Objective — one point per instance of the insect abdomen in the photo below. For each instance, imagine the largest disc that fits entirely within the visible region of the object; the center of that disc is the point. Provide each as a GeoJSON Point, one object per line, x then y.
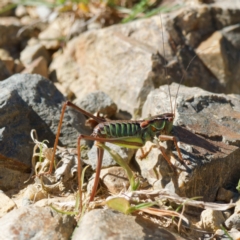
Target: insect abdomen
{"type": "Point", "coordinates": [117, 129]}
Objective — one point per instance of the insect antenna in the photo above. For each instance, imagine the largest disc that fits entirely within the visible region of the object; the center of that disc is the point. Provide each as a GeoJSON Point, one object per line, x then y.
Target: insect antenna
{"type": "Point", "coordinates": [182, 78]}
{"type": "Point", "coordinates": [165, 69]}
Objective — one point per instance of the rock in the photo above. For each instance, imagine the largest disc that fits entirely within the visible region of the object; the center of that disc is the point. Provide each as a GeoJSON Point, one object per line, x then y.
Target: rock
{"type": "Point", "coordinates": [224, 195]}
{"type": "Point", "coordinates": [10, 37]}
{"type": "Point", "coordinates": [237, 208]}
{"type": "Point", "coordinates": [102, 64]}
{"type": "Point", "coordinates": [101, 59]}
{"type": "Point", "coordinates": [13, 174]}
{"type": "Point", "coordinates": [43, 12]}
{"type": "Point", "coordinates": [227, 213]}
{"type": "Point", "coordinates": [63, 67]}
{"type": "Point", "coordinates": [38, 66]}
{"type": "Point", "coordinates": [115, 179]}
{"type": "Point", "coordinates": [94, 25]}
{"type": "Point", "coordinates": [8, 11]}
{"type": "Point", "coordinates": [196, 23]}
{"type": "Point", "coordinates": [33, 52]}
{"type": "Point", "coordinates": [61, 203]}
{"type": "Point", "coordinates": [79, 26]}
{"type": "Point", "coordinates": [45, 224]}
{"type": "Point", "coordinates": [97, 102]}
{"type": "Point", "coordinates": [220, 234]}
{"type": "Point", "coordinates": [211, 220]}
{"type": "Point", "coordinates": [153, 167]}
{"type": "Point", "coordinates": [206, 125]}
{"type": "Point", "coordinates": [18, 66]}
{"type": "Point", "coordinates": [6, 204]}
{"type": "Point", "coordinates": [233, 221]}
{"type": "Point", "coordinates": [231, 33]}
{"type": "Point", "coordinates": [125, 153]}
{"type": "Point", "coordinates": [32, 102]}
{"type": "Point", "coordinates": [110, 225]}
{"type": "Point", "coordinates": [34, 193]}
{"type": "Point", "coordinates": [188, 27]}
{"type": "Point", "coordinates": [20, 11]}
{"type": "Point", "coordinates": [234, 234]}
{"type": "Point", "coordinates": [64, 90]}
{"type": "Point", "coordinates": [4, 72]}
{"type": "Point", "coordinates": [57, 29]}
{"type": "Point", "coordinates": [7, 60]}
{"type": "Point", "coordinates": [221, 58]}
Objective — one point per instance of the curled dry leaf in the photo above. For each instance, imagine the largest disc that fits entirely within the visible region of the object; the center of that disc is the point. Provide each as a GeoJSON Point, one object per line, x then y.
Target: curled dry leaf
{"type": "Point", "coordinates": [66, 167]}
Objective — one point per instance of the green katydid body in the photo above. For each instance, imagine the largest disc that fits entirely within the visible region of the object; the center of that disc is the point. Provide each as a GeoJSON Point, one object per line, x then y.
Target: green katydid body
{"type": "Point", "coordinates": [138, 131]}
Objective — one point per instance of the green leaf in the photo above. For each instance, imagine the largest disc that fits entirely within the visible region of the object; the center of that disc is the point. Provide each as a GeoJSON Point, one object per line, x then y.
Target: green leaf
{"type": "Point", "coordinates": [134, 185]}
{"type": "Point", "coordinates": [238, 186]}
{"type": "Point", "coordinates": [120, 204]}
{"type": "Point", "coordinates": [63, 212]}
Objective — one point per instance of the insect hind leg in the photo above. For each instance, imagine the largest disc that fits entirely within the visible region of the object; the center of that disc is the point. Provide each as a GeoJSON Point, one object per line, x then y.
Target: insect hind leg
{"type": "Point", "coordinates": [174, 139]}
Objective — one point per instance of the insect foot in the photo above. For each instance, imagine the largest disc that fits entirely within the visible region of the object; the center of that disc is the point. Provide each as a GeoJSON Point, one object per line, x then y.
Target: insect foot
{"type": "Point", "coordinates": [207, 126]}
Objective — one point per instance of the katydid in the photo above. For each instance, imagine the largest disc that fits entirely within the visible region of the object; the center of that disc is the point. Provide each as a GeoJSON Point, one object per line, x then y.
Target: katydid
{"type": "Point", "coordinates": [127, 133]}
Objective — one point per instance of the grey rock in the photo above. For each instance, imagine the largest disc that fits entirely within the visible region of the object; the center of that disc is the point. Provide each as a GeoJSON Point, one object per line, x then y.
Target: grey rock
{"type": "Point", "coordinates": [207, 126]}
{"type": "Point", "coordinates": [233, 221]}
{"type": "Point", "coordinates": [31, 102]}
{"type": "Point", "coordinates": [97, 102]}
{"type": "Point", "coordinates": [125, 153]}
{"type": "Point", "coordinates": [36, 223]}
{"type": "Point", "coordinates": [108, 224]}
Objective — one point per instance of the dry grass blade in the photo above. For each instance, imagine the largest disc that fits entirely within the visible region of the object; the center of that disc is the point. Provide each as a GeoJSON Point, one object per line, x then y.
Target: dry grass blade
{"type": "Point", "coordinates": [165, 194]}
{"type": "Point", "coordinates": [161, 212]}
